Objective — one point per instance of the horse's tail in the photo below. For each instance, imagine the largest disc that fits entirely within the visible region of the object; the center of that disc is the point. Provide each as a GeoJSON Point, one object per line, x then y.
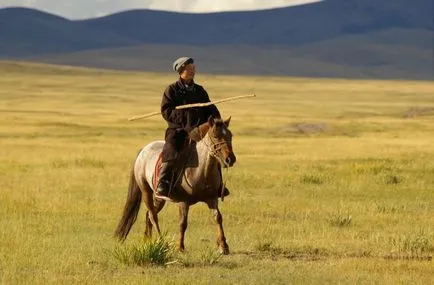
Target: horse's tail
{"type": "Point", "coordinates": [131, 208]}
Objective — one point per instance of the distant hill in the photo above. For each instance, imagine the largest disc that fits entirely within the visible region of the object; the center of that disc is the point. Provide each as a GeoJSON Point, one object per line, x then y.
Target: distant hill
{"type": "Point", "coordinates": [281, 26]}
{"type": "Point", "coordinates": [358, 56]}
{"type": "Point", "coordinates": [27, 32]}
{"type": "Point", "coordinates": [338, 38]}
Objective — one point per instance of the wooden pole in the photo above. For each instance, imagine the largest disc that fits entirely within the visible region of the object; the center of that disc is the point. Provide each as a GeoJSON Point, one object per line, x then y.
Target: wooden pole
{"type": "Point", "coordinates": [191, 106]}
{"type": "Point", "coordinates": [212, 103]}
{"type": "Point", "coordinates": [144, 116]}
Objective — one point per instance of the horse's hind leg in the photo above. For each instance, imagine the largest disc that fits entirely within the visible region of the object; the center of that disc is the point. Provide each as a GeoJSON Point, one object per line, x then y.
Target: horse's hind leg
{"type": "Point", "coordinates": [148, 229]}
{"type": "Point", "coordinates": [158, 205]}
{"type": "Point", "coordinates": [221, 239]}
{"type": "Point", "coordinates": [152, 213]}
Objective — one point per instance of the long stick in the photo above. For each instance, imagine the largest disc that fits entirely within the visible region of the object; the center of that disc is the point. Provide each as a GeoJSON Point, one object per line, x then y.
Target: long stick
{"type": "Point", "coordinates": [144, 116]}
{"type": "Point", "coordinates": [215, 102]}
{"type": "Point", "coordinates": [191, 106]}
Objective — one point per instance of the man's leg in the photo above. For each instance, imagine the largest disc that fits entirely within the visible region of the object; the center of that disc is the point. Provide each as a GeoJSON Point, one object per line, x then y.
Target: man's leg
{"type": "Point", "coordinates": [167, 175]}
{"type": "Point", "coordinates": [171, 151]}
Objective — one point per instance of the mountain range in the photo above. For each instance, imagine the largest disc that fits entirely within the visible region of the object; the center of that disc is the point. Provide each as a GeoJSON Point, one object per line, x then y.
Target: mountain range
{"type": "Point", "coordinates": [331, 38]}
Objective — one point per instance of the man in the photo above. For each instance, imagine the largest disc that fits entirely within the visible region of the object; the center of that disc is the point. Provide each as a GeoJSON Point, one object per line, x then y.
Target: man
{"type": "Point", "coordinates": [182, 122]}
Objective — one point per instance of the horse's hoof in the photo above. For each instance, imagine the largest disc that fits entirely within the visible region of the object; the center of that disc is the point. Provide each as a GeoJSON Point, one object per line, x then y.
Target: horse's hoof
{"type": "Point", "coordinates": [224, 250]}
{"type": "Point", "coordinates": [181, 249]}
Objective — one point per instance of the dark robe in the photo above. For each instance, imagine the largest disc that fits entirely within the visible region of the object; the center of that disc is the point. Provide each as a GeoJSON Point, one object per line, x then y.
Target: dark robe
{"type": "Point", "coordinates": [181, 122]}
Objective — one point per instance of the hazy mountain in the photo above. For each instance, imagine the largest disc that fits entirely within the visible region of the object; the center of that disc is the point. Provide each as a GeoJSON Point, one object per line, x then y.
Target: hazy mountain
{"type": "Point", "coordinates": [282, 26]}
{"type": "Point", "coordinates": [355, 38]}
{"type": "Point", "coordinates": [358, 56]}
{"type": "Point", "coordinates": [26, 32]}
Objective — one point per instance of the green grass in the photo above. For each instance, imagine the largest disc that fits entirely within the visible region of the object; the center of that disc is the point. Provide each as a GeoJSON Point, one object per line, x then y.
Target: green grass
{"type": "Point", "coordinates": [156, 251]}
{"type": "Point", "coordinates": [348, 203]}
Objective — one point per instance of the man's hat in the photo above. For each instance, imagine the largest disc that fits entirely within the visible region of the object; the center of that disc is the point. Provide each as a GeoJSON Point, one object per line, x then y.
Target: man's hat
{"type": "Point", "coordinates": [181, 62]}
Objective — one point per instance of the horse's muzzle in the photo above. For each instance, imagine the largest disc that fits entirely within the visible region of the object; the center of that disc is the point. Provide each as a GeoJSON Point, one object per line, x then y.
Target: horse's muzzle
{"type": "Point", "coordinates": [230, 160]}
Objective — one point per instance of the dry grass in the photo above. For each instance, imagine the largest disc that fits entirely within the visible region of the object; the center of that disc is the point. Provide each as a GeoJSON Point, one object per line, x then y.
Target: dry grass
{"type": "Point", "coordinates": [349, 204]}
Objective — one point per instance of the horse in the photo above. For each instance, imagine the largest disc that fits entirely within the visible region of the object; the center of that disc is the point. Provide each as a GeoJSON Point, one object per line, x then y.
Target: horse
{"type": "Point", "coordinates": [199, 180]}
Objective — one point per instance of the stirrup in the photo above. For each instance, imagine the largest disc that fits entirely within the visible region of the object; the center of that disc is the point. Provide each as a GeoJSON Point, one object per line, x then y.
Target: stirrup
{"type": "Point", "coordinates": [225, 192]}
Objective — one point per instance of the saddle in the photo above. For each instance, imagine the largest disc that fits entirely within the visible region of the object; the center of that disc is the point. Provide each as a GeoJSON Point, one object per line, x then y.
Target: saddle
{"type": "Point", "coordinates": [181, 162]}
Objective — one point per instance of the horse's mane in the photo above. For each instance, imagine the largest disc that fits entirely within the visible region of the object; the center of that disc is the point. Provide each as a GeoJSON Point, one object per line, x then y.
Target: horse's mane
{"type": "Point", "coordinates": [203, 130]}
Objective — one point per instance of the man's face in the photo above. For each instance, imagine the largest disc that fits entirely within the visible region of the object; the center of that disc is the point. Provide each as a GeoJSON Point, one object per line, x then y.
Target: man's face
{"type": "Point", "coordinates": [188, 72]}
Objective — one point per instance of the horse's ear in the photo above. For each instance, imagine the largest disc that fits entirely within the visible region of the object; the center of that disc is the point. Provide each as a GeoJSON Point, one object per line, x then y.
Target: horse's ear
{"type": "Point", "coordinates": [227, 121]}
{"type": "Point", "coordinates": [211, 121]}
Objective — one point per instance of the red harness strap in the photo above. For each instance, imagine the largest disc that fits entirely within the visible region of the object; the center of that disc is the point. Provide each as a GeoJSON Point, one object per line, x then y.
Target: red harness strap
{"type": "Point", "coordinates": [157, 169]}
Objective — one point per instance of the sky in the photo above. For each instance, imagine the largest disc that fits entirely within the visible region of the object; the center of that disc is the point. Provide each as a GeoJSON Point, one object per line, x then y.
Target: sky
{"type": "Point", "coordinates": [81, 9]}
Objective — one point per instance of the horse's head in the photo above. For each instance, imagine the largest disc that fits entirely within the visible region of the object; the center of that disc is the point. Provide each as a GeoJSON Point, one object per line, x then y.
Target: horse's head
{"type": "Point", "coordinates": [221, 141]}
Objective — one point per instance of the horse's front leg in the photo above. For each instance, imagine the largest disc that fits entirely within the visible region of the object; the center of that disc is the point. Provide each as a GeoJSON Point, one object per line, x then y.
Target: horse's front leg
{"type": "Point", "coordinates": [183, 222]}
{"type": "Point", "coordinates": [221, 239]}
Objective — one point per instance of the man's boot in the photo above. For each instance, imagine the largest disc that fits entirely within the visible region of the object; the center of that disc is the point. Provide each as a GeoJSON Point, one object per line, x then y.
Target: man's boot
{"type": "Point", "coordinates": [165, 180]}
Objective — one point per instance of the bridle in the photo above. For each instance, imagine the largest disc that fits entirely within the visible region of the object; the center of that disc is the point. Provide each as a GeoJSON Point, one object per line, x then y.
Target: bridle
{"type": "Point", "coordinates": [214, 151]}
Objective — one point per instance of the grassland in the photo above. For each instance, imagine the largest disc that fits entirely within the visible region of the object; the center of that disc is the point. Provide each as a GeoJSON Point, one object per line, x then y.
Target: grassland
{"type": "Point", "coordinates": [333, 185]}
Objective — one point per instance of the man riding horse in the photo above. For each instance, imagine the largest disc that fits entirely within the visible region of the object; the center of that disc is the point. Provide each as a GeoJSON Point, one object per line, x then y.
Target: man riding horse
{"type": "Point", "coordinates": [182, 123]}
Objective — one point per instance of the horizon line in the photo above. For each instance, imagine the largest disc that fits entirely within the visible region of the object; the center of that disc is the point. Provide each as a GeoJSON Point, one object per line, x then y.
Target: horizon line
{"type": "Point", "coordinates": [162, 11]}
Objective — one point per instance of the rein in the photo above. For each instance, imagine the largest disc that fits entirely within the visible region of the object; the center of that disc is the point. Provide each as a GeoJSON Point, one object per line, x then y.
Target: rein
{"type": "Point", "coordinates": [213, 151]}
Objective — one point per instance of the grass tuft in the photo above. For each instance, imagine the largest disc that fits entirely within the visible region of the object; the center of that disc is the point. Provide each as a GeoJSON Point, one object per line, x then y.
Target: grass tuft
{"type": "Point", "coordinates": [315, 178]}
{"type": "Point", "coordinates": [393, 179]}
{"type": "Point", "coordinates": [414, 245]}
{"type": "Point", "coordinates": [210, 257]}
{"type": "Point", "coordinates": [340, 220]}
{"type": "Point", "coordinates": [79, 162]}
{"type": "Point", "coordinates": [152, 252]}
